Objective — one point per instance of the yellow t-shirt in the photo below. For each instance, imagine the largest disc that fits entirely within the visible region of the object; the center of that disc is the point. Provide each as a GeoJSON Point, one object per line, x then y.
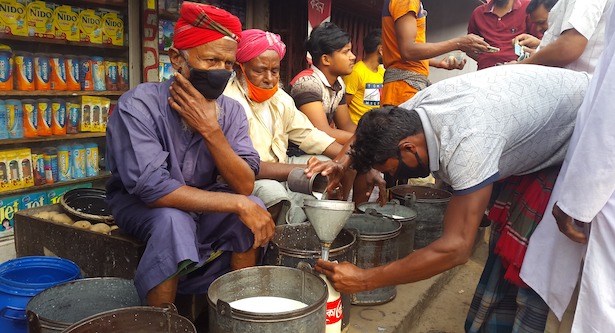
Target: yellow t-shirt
{"type": "Point", "coordinates": [365, 86]}
{"type": "Point", "coordinates": [399, 91]}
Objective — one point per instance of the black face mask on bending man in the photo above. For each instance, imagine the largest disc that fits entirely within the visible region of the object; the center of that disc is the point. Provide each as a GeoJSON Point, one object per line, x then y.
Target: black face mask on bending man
{"type": "Point", "coordinates": [404, 171]}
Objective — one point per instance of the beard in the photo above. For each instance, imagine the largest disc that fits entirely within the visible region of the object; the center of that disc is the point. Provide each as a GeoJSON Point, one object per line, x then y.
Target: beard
{"type": "Point", "coordinates": [500, 3]}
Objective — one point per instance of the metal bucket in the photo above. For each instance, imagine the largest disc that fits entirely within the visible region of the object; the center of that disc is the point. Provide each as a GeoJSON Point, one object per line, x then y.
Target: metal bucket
{"type": "Point", "coordinates": [430, 205]}
{"type": "Point", "coordinates": [136, 319]}
{"type": "Point", "coordinates": [56, 308]}
{"type": "Point", "coordinates": [377, 247]}
{"type": "Point", "coordinates": [400, 213]}
{"type": "Point", "coordinates": [295, 243]}
{"type": "Point", "coordinates": [277, 281]}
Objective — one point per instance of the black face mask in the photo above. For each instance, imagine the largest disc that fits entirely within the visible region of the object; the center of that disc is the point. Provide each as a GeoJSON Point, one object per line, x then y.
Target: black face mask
{"type": "Point", "coordinates": [405, 172]}
{"type": "Point", "coordinates": [211, 82]}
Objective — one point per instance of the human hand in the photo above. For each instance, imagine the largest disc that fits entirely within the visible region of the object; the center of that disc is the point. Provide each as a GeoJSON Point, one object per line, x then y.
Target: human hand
{"type": "Point", "coordinates": [373, 178]}
{"type": "Point", "coordinates": [472, 43]}
{"type": "Point", "coordinates": [451, 62]}
{"type": "Point", "coordinates": [344, 277]}
{"type": "Point", "coordinates": [527, 40]}
{"type": "Point", "coordinates": [570, 227]}
{"type": "Point", "coordinates": [198, 112]}
{"type": "Point", "coordinates": [258, 220]}
{"type": "Point", "coordinates": [334, 170]}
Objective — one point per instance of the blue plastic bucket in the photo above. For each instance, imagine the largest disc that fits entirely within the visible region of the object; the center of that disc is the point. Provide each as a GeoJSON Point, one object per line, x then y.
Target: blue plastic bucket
{"type": "Point", "coordinates": [21, 279]}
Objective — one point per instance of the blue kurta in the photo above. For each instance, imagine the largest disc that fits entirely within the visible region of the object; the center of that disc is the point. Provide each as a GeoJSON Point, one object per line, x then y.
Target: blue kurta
{"type": "Point", "coordinates": [150, 154]}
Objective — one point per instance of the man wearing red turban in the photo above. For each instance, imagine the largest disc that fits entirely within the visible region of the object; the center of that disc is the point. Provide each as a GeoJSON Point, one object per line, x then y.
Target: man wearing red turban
{"type": "Point", "coordinates": [183, 165]}
{"type": "Point", "coordinates": [274, 121]}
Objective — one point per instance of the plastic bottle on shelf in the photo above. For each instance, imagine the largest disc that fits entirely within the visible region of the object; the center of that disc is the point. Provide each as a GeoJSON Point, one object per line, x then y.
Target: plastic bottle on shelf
{"type": "Point", "coordinates": [30, 118]}
{"type": "Point", "coordinates": [42, 71]}
{"type": "Point", "coordinates": [334, 312]}
{"type": "Point", "coordinates": [6, 68]}
{"type": "Point", "coordinates": [14, 118]}
{"type": "Point", "coordinates": [24, 71]}
{"type": "Point", "coordinates": [4, 130]}
{"type": "Point", "coordinates": [43, 116]}
{"type": "Point", "coordinates": [58, 117]}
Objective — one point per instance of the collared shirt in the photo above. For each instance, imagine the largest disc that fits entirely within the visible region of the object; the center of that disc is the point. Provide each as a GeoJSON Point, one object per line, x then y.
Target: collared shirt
{"type": "Point", "coordinates": [150, 153]}
{"type": "Point", "coordinates": [498, 122]}
{"type": "Point", "coordinates": [499, 31]}
{"type": "Point", "coordinates": [311, 85]}
{"type": "Point", "coordinates": [589, 18]}
{"type": "Point", "coordinates": [287, 124]}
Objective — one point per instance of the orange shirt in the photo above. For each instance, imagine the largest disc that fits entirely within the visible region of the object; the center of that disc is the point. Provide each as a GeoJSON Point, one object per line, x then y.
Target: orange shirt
{"type": "Point", "coordinates": [398, 92]}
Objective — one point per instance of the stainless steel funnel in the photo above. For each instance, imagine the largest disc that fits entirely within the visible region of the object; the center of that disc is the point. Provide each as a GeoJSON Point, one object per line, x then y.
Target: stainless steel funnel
{"type": "Point", "coordinates": [327, 216]}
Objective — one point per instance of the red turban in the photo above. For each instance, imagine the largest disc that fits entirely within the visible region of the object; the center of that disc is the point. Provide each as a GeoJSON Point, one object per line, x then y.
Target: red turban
{"type": "Point", "coordinates": [254, 42]}
{"type": "Point", "coordinates": [199, 24]}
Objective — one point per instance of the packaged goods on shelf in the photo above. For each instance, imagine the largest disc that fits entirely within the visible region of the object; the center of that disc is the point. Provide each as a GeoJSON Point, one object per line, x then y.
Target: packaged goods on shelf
{"type": "Point", "coordinates": [90, 26]}
{"type": "Point", "coordinates": [165, 69]}
{"type": "Point", "coordinates": [71, 63]}
{"type": "Point", "coordinates": [38, 167]}
{"type": "Point", "coordinates": [42, 71]}
{"type": "Point", "coordinates": [85, 73]}
{"type": "Point", "coordinates": [44, 115]}
{"type": "Point", "coordinates": [4, 129]}
{"type": "Point", "coordinates": [65, 22]}
{"type": "Point", "coordinates": [26, 174]}
{"type": "Point", "coordinates": [54, 195]}
{"type": "Point", "coordinates": [98, 73]}
{"type": "Point", "coordinates": [30, 118]}
{"type": "Point", "coordinates": [31, 200]}
{"type": "Point", "coordinates": [13, 17]}
{"type": "Point", "coordinates": [8, 208]}
{"type": "Point", "coordinates": [14, 118]}
{"type": "Point", "coordinates": [91, 159]}
{"type": "Point", "coordinates": [58, 72]}
{"type": "Point", "coordinates": [77, 161]}
{"type": "Point", "coordinates": [58, 116]}
{"type": "Point", "coordinates": [23, 71]}
{"type": "Point", "coordinates": [73, 109]}
{"type": "Point", "coordinates": [111, 74]}
{"type": "Point", "coordinates": [123, 79]}
{"type": "Point", "coordinates": [64, 163]}
{"type": "Point", "coordinates": [39, 19]}
{"type": "Point", "coordinates": [112, 28]}
{"type": "Point", "coordinates": [16, 169]}
{"type": "Point", "coordinates": [6, 68]}
{"type": "Point", "coordinates": [50, 159]}
{"type": "Point", "coordinates": [165, 34]}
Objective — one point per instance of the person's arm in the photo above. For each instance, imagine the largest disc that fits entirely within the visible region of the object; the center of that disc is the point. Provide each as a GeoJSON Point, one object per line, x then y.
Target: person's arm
{"type": "Point", "coordinates": [461, 221]}
{"type": "Point", "coordinates": [405, 30]}
{"type": "Point", "coordinates": [349, 98]}
{"type": "Point", "coordinates": [316, 114]}
{"type": "Point", "coordinates": [200, 114]}
{"type": "Point", "coordinates": [276, 171]}
{"type": "Point", "coordinates": [562, 52]}
{"type": "Point", "coordinates": [342, 119]}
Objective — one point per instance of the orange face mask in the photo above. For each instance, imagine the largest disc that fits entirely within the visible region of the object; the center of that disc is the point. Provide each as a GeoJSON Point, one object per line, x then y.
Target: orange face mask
{"type": "Point", "coordinates": [258, 94]}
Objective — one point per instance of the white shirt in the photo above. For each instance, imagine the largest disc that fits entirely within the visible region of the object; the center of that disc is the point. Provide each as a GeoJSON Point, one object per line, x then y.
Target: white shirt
{"type": "Point", "coordinates": [584, 190]}
{"type": "Point", "coordinates": [498, 122]}
{"type": "Point", "coordinates": [589, 19]}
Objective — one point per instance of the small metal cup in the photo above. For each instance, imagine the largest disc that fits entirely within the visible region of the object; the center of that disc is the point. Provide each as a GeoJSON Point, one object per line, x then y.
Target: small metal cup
{"type": "Point", "coordinates": [299, 182]}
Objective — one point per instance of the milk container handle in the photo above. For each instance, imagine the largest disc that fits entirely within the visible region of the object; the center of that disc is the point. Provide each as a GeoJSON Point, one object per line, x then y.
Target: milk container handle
{"type": "Point", "coordinates": [224, 309]}
{"type": "Point", "coordinates": [410, 200]}
{"type": "Point", "coordinates": [34, 323]}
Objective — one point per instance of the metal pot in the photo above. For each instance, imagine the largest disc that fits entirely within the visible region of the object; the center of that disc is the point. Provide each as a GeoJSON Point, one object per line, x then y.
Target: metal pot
{"type": "Point", "coordinates": [277, 281]}
{"type": "Point", "coordinates": [137, 319]}
{"type": "Point", "coordinates": [58, 307]}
